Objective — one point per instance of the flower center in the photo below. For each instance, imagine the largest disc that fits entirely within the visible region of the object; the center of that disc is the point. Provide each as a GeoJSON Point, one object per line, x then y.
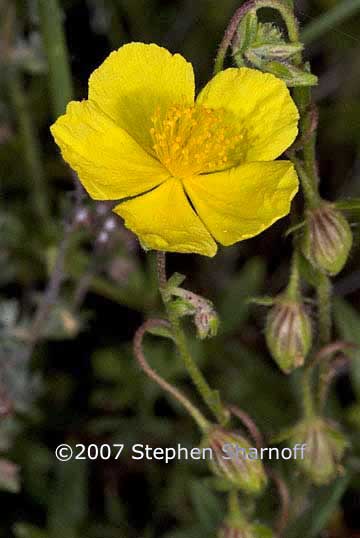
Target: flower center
{"type": "Point", "coordinates": [193, 139]}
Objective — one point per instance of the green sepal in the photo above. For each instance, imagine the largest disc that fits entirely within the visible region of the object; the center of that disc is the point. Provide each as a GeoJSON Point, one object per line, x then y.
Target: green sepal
{"type": "Point", "coordinates": [175, 281]}
{"type": "Point", "coordinates": [293, 76]}
{"type": "Point", "coordinates": [246, 34]}
{"type": "Point", "coordinates": [181, 307]}
{"type": "Point", "coordinates": [308, 272]}
{"type": "Point", "coordinates": [276, 51]}
{"type": "Point", "coordinates": [295, 228]}
{"type": "Point", "coordinates": [161, 330]}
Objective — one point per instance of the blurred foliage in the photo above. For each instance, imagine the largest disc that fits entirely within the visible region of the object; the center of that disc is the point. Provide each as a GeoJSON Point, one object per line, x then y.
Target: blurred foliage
{"type": "Point", "coordinates": [81, 384]}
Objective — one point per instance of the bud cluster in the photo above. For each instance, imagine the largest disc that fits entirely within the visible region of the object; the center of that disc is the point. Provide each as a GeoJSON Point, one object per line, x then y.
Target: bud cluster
{"type": "Point", "coordinates": [262, 45]}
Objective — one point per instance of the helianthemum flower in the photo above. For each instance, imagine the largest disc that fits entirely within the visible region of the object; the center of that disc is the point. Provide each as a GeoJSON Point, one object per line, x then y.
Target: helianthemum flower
{"type": "Point", "coordinates": [191, 171]}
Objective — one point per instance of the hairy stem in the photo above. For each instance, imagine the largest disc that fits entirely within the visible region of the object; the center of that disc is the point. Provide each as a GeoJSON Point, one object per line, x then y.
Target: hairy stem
{"type": "Point", "coordinates": [309, 188]}
{"type": "Point", "coordinates": [140, 357]}
{"type": "Point", "coordinates": [197, 377]}
{"type": "Point", "coordinates": [324, 295]}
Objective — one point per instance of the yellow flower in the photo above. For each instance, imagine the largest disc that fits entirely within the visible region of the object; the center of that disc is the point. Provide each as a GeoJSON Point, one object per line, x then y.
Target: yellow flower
{"type": "Point", "coordinates": [193, 171]}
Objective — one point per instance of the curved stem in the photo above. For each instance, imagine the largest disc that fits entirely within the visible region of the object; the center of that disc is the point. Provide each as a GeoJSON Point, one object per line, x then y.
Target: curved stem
{"type": "Point", "coordinates": [284, 495]}
{"type": "Point", "coordinates": [229, 34]}
{"type": "Point", "coordinates": [209, 396]}
{"type": "Point", "coordinates": [249, 424]}
{"type": "Point", "coordinates": [140, 357]}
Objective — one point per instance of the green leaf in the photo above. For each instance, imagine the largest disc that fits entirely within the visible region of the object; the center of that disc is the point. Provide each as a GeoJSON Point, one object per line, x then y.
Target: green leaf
{"type": "Point", "coordinates": [308, 273]}
{"type": "Point", "coordinates": [68, 499]}
{"type": "Point", "coordinates": [322, 507]}
{"type": "Point", "coordinates": [234, 308]}
{"type": "Point", "coordinates": [295, 228]}
{"type": "Point", "coordinates": [208, 510]}
{"type": "Point", "coordinates": [347, 321]}
{"type": "Point", "coordinates": [352, 204]}
{"type": "Point", "coordinates": [175, 280]}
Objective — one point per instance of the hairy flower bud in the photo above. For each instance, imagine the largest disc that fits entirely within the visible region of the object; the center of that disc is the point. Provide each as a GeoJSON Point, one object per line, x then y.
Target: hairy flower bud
{"type": "Point", "coordinates": [205, 316]}
{"type": "Point", "coordinates": [325, 446]}
{"type": "Point", "coordinates": [235, 461]}
{"type": "Point", "coordinates": [206, 322]}
{"type": "Point", "coordinates": [288, 333]}
{"type": "Point", "coordinates": [327, 239]}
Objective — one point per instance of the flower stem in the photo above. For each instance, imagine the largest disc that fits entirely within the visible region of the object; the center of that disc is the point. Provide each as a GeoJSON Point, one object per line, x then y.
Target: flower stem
{"type": "Point", "coordinates": [293, 288]}
{"type": "Point", "coordinates": [140, 357]}
{"type": "Point", "coordinates": [323, 292]}
{"type": "Point", "coordinates": [324, 305]}
{"type": "Point", "coordinates": [311, 194]}
{"type": "Point", "coordinates": [234, 507]}
{"type": "Point", "coordinates": [302, 97]}
{"type": "Point", "coordinates": [307, 393]}
{"type": "Point", "coordinates": [208, 395]}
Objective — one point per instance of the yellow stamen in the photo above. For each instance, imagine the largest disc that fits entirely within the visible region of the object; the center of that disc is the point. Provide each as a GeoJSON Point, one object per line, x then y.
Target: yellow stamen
{"type": "Point", "coordinates": [191, 140]}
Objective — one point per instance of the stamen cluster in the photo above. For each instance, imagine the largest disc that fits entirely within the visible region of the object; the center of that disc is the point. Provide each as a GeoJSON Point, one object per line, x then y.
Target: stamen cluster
{"type": "Point", "coordinates": [193, 139]}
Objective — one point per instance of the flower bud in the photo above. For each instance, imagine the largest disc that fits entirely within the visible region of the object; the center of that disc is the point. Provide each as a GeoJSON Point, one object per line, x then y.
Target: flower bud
{"type": "Point", "coordinates": [288, 334]}
{"type": "Point", "coordinates": [234, 461]}
{"type": "Point", "coordinates": [325, 446]}
{"type": "Point", "coordinates": [327, 240]}
{"type": "Point", "coordinates": [206, 322]}
{"type": "Point", "coordinates": [206, 319]}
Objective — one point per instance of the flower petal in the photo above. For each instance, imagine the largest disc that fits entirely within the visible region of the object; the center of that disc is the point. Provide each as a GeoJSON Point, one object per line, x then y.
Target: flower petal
{"type": "Point", "coordinates": [110, 164]}
{"type": "Point", "coordinates": [164, 220]}
{"type": "Point", "coordinates": [242, 202]}
{"type": "Point", "coordinates": [260, 105]}
{"type": "Point", "coordinates": [134, 80]}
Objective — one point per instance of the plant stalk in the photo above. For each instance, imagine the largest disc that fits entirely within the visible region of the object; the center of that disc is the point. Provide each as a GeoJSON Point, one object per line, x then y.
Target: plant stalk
{"type": "Point", "coordinates": [197, 377]}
